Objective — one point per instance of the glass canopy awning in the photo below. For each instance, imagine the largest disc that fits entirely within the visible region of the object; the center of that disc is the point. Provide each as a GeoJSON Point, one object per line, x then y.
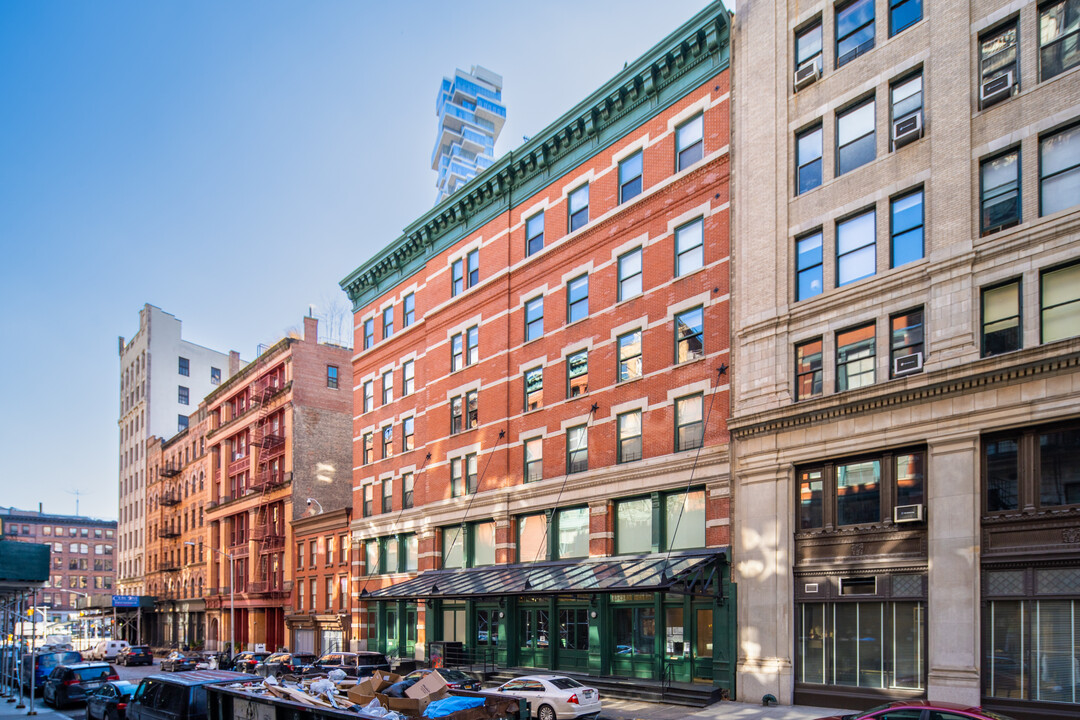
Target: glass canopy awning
{"type": "Point", "coordinates": [690, 572]}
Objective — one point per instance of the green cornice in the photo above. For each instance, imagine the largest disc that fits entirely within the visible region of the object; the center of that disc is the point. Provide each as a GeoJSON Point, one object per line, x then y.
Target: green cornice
{"type": "Point", "coordinates": [683, 60]}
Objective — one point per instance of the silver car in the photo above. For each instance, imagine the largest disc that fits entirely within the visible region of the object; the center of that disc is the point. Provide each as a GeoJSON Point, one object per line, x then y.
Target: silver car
{"type": "Point", "coordinates": [555, 697]}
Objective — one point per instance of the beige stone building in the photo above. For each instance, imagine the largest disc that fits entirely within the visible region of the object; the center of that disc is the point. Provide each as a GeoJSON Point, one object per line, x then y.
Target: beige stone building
{"type": "Point", "coordinates": [906, 339]}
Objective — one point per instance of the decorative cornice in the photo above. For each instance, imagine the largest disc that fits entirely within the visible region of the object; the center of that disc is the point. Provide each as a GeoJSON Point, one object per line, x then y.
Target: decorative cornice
{"type": "Point", "coordinates": [640, 91]}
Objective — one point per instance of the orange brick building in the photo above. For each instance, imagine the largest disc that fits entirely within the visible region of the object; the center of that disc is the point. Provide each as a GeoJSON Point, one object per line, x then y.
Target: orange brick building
{"type": "Point", "coordinates": [540, 443]}
{"type": "Point", "coordinates": [279, 434]}
{"type": "Point", "coordinates": [321, 602]}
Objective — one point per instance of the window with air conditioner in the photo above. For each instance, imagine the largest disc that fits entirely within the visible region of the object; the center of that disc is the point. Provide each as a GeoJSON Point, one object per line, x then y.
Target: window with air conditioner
{"type": "Point", "coordinates": [999, 66]}
{"type": "Point", "coordinates": [906, 99]}
{"type": "Point", "coordinates": [906, 343]}
{"type": "Point", "coordinates": [808, 55]}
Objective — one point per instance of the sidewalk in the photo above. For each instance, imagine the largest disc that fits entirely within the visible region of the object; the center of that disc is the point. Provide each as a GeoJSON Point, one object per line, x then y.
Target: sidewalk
{"type": "Point", "coordinates": [725, 710]}
{"type": "Point", "coordinates": [7, 710]}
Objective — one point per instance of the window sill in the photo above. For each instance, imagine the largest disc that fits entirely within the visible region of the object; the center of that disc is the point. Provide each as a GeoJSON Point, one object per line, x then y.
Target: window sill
{"type": "Point", "coordinates": [1026, 91]}
{"type": "Point", "coordinates": [686, 363]}
{"type": "Point", "coordinates": [627, 381]}
{"type": "Point", "coordinates": [626, 300]}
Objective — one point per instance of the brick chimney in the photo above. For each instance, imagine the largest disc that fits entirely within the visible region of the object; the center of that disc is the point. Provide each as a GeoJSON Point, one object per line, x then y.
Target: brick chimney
{"type": "Point", "coordinates": [311, 330]}
{"type": "Point", "coordinates": [234, 362]}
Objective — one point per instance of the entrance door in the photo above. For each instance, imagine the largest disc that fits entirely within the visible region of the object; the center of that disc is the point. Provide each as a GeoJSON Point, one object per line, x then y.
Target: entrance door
{"type": "Point", "coordinates": [677, 645]}
{"type": "Point", "coordinates": [534, 624]}
{"type": "Point", "coordinates": [702, 645]}
{"type": "Point", "coordinates": [572, 651]}
{"type": "Point", "coordinates": [486, 640]}
{"type": "Point", "coordinates": [391, 647]}
{"type": "Point", "coordinates": [410, 631]}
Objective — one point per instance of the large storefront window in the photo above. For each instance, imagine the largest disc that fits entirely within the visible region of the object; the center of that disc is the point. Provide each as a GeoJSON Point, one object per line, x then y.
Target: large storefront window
{"type": "Point", "coordinates": [483, 544]}
{"type": "Point", "coordinates": [573, 534]}
{"type": "Point", "coordinates": [852, 492]}
{"type": "Point", "coordinates": [635, 631]}
{"type": "Point", "coordinates": [685, 514]}
{"type": "Point", "coordinates": [532, 538]}
{"type": "Point", "coordinates": [633, 526]}
{"type": "Point", "coordinates": [877, 645]}
{"type": "Point", "coordinates": [1047, 459]}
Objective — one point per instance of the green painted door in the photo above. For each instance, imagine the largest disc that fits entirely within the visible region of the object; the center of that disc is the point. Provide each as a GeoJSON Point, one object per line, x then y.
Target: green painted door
{"type": "Point", "coordinates": [572, 651]}
{"type": "Point", "coordinates": [391, 647]}
{"type": "Point", "coordinates": [701, 646]}
{"type": "Point", "coordinates": [634, 641]}
{"type": "Point", "coordinates": [486, 633]}
{"type": "Point", "coordinates": [677, 648]}
{"type": "Point", "coordinates": [410, 631]}
{"type": "Point", "coordinates": [534, 636]}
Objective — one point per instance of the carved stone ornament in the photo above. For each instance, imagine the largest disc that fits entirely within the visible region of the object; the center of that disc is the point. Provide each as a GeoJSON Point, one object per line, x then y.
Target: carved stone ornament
{"type": "Point", "coordinates": [1070, 535]}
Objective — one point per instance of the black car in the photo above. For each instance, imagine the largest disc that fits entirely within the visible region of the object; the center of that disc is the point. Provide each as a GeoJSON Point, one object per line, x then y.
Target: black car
{"type": "Point", "coordinates": [455, 679]}
{"type": "Point", "coordinates": [355, 664]}
{"type": "Point", "coordinates": [178, 661]}
{"type": "Point", "coordinates": [177, 697]}
{"type": "Point", "coordinates": [109, 702]}
{"type": "Point", "coordinates": [72, 683]}
{"type": "Point", "coordinates": [280, 664]}
{"type": "Point", "coordinates": [135, 655]}
{"type": "Point", "coordinates": [44, 665]}
{"type": "Point", "coordinates": [246, 661]}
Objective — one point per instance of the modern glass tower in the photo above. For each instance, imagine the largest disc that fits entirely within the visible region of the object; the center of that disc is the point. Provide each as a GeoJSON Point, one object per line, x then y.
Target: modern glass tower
{"type": "Point", "coordinates": [471, 116]}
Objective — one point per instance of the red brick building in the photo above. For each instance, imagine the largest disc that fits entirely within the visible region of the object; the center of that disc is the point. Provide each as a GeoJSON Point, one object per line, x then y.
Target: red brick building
{"type": "Point", "coordinates": [321, 602]}
{"type": "Point", "coordinates": [540, 443]}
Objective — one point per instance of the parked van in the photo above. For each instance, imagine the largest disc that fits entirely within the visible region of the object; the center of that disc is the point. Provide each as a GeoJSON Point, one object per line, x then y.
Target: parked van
{"type": "Point", "coordinates": [46, 661]}
{"type": "Point", "coordinates": [179, 696]}
{"type": "Point", "coordinates": [107, 649]}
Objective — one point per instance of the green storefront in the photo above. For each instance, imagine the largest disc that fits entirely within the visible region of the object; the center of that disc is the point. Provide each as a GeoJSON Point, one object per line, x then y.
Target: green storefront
{"type": "Point", "coordinates": [663, 617]}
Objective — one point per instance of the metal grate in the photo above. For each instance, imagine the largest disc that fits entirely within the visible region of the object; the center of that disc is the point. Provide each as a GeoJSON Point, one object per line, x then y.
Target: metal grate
{"type": "Point", "coordinates": [907, 585]}
{"type": "Point", "coordinates": [1057, 581]}
{"type": "Point", "coordinates": [1005, 583]}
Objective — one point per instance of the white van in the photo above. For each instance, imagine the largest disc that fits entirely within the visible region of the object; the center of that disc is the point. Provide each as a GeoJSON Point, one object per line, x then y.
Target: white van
{"type": "Point", "coordinates": [107, 649]}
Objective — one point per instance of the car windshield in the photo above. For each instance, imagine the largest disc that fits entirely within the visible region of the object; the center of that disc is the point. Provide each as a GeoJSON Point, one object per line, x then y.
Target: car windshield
{"type": "Point", "coordinates": [54, 659]}
{"type": "Point", "coordinates": [280, 657]}
{"type": "Point", "coordinates": [564, 683]}
{"type": "Point", "coordinates": [455, 675]}
{"type": "Point", "coordinates": [369, 658]}
{"type": "Point", "coordinates": [125, 688]}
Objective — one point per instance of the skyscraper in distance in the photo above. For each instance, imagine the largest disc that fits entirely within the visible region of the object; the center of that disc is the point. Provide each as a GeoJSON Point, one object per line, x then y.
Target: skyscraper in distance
{"type": "Point", "coordinates": [471, 116]}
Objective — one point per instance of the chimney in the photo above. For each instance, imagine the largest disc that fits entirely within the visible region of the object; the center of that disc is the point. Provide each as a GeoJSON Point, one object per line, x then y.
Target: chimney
{"type": "Point", "coordinates": [311, 329]}
{"type": "Point", "coordinates": [234, 362]}
{"type": "Point", "coordinates": [39, 509]}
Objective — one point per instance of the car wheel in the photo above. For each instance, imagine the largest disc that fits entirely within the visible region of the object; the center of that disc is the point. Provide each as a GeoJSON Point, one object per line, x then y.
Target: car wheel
{"type": "Point", "coordinates": [545, 712]}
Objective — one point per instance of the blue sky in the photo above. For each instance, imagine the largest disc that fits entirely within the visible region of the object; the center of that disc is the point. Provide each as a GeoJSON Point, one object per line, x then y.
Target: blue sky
{"type": "Point", "coordinates": [229, 162]}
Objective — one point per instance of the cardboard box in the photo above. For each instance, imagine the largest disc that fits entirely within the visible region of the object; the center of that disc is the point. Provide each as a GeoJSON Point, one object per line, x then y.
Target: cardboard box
{"type": "Point", "coordinates": [431, 684]}
{"type": "Point", "coordinates": [367, 689]}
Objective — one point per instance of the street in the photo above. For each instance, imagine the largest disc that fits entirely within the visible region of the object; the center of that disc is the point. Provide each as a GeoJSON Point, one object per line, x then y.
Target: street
{"type": "Point", "coordinates": [131, 674]}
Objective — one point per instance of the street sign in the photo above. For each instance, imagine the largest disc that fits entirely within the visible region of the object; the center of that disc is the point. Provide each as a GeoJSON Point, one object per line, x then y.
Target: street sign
{"type": "Point", "coordinates": [125, 601]}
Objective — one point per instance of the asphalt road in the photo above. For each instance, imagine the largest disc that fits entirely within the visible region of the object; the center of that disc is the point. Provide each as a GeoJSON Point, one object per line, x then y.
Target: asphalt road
{"type": "Point", "coordinates": [131, 674]}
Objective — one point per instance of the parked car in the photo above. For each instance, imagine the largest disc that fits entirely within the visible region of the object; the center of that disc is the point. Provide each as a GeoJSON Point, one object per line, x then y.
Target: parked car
{"type": "Point", "coordinates": [72, 683]}
{"type": "Point", "coordinates": [179, 661]}
{"type": "Point", "coordinates": [177, 697]}
{"type": "Point", "coordinates": [555, 697]}
{"type": "Point", "coordinates": [107, 649]}
{"type": "Point", "coordinates": [109, 702]}
{"type": "Point", "coordinates": [135, 655]}
{"type": "Point", "coordinates": [455, 679]}
{"type": "Point", "coordinates": [355, 664]}
{"type": "Point", "coordinates": [46, 662]}
{"type": "Point", "coordinates": [246, 661]}
{"type": "Point", "coordinates": [284, 664]}
{"type": "Point", "coordinates": [901, 710]}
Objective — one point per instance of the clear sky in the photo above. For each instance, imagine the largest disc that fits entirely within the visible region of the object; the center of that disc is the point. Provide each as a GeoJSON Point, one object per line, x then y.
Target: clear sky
{"type": "Point", "coordinates": [229, 162]}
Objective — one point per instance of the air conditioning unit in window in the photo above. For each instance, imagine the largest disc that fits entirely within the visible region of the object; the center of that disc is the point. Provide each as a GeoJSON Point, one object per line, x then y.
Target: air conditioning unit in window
{"type": "Point", "coordinates": [907, 364]}
{"type": "Point", "coordinates": [907, 513]}
{"type": "Point", "coordinates": [807, 74]}
{"type": "Point", "coordinates": [996, 89]}
{"type": "Point", "coordinates": [907, 129]}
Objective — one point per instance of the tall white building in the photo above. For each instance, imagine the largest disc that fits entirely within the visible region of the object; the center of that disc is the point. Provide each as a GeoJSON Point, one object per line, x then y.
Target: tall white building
{"type": "Point", "coordinates": [162, 379]}
{"type": "Point", "coordinates": [471, 116]}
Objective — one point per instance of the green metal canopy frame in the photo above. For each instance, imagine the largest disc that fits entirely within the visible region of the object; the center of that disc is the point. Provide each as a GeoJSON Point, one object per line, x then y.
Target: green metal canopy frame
{"type": "Point", "coordinates": [691, 572]}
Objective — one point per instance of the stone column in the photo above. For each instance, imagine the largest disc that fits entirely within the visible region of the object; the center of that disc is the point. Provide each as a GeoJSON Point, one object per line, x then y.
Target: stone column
{"type": "Point", "coordinates": [953, 535]}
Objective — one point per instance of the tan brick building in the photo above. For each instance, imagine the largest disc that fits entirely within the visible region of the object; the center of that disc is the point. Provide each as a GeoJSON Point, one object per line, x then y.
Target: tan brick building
{"type": "Point", "coordinates": [906, 295]}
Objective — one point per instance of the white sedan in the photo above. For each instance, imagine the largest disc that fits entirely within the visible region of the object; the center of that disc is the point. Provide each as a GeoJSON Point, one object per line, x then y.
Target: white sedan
{"type": "Point", "coordinates": [555, 697]}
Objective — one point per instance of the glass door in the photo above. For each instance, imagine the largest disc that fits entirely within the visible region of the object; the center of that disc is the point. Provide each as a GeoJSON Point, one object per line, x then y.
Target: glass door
{"type": "Point", "coordinates": [572, 652]}
{"type": "Point", "coordinates": [535, 647]}
{"type": "Point", "coordinates": [410, 631]}
{"type": "Point", "coordinates": [676, 645]}
{"type": "Point", "coordinates": [702, 646]}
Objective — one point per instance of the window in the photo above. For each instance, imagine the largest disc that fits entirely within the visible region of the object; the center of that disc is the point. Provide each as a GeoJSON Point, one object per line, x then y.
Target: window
{"type": "Point", "coordinates": [906, 220]}
{"type": "Point", "coordinates": [809, 280]}
{"type": "Point", "coordinates": [472, 345]}
{"type": "Point", "coordinates": [534, 319]}
{"type": "Point", "coordinates": [856, 143]}
{"type": "Point", "coordinates": [300, 595]}
{"type": "Point", "coordinates": [182, 395]}
{"type": "Point", "coordinates": [407, 490]}
{"type": "Point", "coordinates": [387, 441]}
{"type": "Point", "coordinates": [1059, 37]}
{"type": "Point", "coordinates": [472, 262]}
{"type": "Point", "coordinates": [532, 534]}
{"type": "Point", "coordinates": [388, 322]}
{"type": "Point", "coordinates": [457, 277]}
{"type": "Point", "coordinates": [629, 356]}
{"type": "Point", "coordinates": [629, 428]}
{"type": "Point", "coordinates": [470, 473]}
{"type": "Point", "coordinates": [387, 496]}
{"type": "Point", "coordinates": [330, 550]}
{"type": "Point", "coordinates": [331, 377]}
{"type": "Point", "coordinates": [850, 492]}
{"type": "Point", "coordinates": [906, 97]}
{"type": "Point", "coordinates": [408, 436]}
{"type": "Point", "coordinates": [457, 466]}
{"type": "Point", "coordinates": [689, 423]}
{"type": "Point", "coordinates": [1001, 321]}
{"type": "Point", "coordinates": [1000, 189]}
{"type": "Point", "coordinates": [808, 45]}
{"type": "Point", "coordinates": [854, 30]}
{"type": "Point", "coordinates": [689, 142]}
{"type": "Point", "coordinates": [314, 554]}
{"type": "Point", "coordinates": [630, 274]}
{"type": "Point", "coordinates": [998, 56]}
{"type": "Point", "coordinates": [457, 352]}
{"type": "Point", "coordinates": [906, 341]}
{"type": "Point", "coordinates": [456, 414]}
{"type": "Point", "coordinates": [369, 448]}
{"type": "Point", "coordinates": [690, 247]}
{"type": "Point", "coordinates": [388, 387]}
{"type": "Point", "coordinates": [472, 418]}
{"type": "Point", "coordinates": [633, 526]}
{"type": "Point", "coordinates": [534, 234]}
{"type": "Point", "coordinates": [579, 207]}
{"type": "Point", "coordinates": [684, 516]}
{"type": "Point", "coordinates": [690, 335]}
{"type": "Point", "coordinates": [369, 395]}
{"type": "Point", "coordinates": [577, 449]}
{"type": "Point", "coordinates": [577, 373]}
{"type": "Point", "coordinates": [215, 376]}
{"type": "Point", "coordinates": [856, 248]}
{"type": "Point", "coordinates": [808, 158]}
{"type": "Point", "coordinates": [181, 423]}
{"type": "Point", "coordinates": [534, 388]}
{"type": "Point", "coordinates": [630, 177]}
{"type": "Point", "coordinates": [184, 367]}
{"type": "Point", "coordinates": [1043, 462]}
{"type": "Point", "coordinates": [369, 333]}
{"type": "Point", "coordinates": [808, 369]}
{"type": "Point", "coordinates": [1059, 164]}
{"type": "Point", "coordinates": [903, 14]}
{"type": "Point", "coordinates": [534, 459]}
{"type": "Point", "coordinates": [1059, 303]}
{"type": "Point", "coordinates": [577, 299]}
{"type": "Point", "coordinates": [371, 557]}
{"type": "Point", "coordinates": [408, 378]}
{"type": "Point", "coordinates": [369, 493]}
{"type": "Point", "coordinates": [408, 306]}
{"type": "Point", "coordinates": [855, 358]}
